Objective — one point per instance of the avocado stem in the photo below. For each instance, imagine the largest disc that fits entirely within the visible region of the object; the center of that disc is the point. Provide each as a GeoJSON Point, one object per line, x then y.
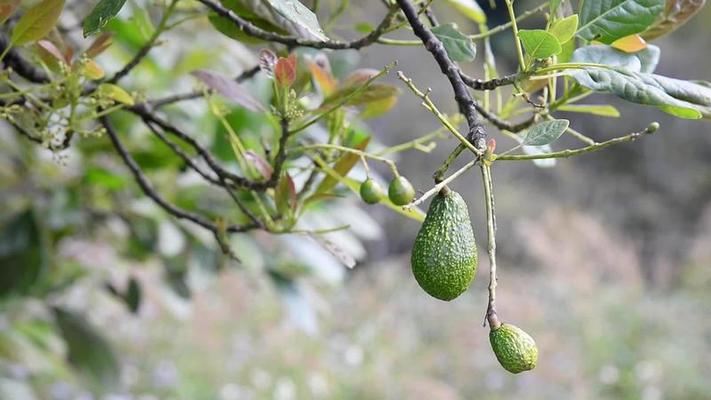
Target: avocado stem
{"type": "Point", "coordinates": [441, 185]}
{"type": "Point", "coordinates": [491, 316]}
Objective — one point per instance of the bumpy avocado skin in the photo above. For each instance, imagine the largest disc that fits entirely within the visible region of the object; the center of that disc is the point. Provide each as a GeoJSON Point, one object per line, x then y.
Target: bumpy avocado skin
{"type": "Point", "coordinates": [444, 256]}
{"type": "Point", "coordinates": [514, 348]}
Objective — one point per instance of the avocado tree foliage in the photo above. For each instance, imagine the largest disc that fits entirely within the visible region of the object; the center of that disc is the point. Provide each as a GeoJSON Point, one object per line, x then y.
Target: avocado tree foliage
{"type": "Point", "coordinates": [60, 91]}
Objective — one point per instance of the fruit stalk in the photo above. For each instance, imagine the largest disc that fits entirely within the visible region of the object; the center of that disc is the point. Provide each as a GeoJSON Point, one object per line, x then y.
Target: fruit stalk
{"type": "Point", "coordinates": [491, 316]}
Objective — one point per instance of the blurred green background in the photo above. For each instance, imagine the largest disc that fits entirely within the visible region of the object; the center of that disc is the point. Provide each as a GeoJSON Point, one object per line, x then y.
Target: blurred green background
{"type": "Point", "coordinates": [605, 260]}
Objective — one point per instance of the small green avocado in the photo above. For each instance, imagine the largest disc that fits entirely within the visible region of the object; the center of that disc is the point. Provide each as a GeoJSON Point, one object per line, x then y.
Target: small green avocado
{"type": "Point", "coordinates": [444, 256]}
{"type": "Point", "coordinates": [371, 192]}
{"type": "Point", "coordinates": [515, 349]}
{"type": "Point", "coordinates": [401, 191]}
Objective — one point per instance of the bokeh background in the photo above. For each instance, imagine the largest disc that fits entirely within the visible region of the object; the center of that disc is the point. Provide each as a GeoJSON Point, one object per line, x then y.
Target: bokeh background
{"type": "Point", "coordinates": [605, 260]}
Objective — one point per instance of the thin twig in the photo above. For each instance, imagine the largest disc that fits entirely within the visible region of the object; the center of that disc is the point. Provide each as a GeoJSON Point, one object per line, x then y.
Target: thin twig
{"type": "Point", "coordinates": [576, 152]}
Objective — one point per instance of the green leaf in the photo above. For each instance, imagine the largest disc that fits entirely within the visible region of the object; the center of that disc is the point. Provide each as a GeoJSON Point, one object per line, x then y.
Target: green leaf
{"type": "Point", "coordinates": [553, 5]}
{"type": "Point", "coordinates": [342, 167]}
{"type": "Point", "coordinates": [545, 132]}
{"type": "Point", "coordinates": [116, 93]}
{"type": "Point", "coordinates": [88, 351]}
{"type": "Point", "coordinates": [297, 18]}
{"type": "Point", "coordinates": [229, 29]}
{"type": "Point", "coordinates": [470, 9]}
{"type": "Point", "coordinates": [564, 29]}
{"type": "Point", "coordinates": [458, 45]}
{"type": "Point", "coordinates": [609, 20]}
{"type": "Point", "coordinates": [594, 109]}
{"type": "Point", "coordinates": [133, 295]}
{"type": "Point", "coordinates": [23, 256]}
{"type": "Point", "coordinates": [684, 99]}
{"type": "Point", "coordinates": [539, 43]}
{"type": "Point", "coordinates": [642, 61]}
{"type": "Point", "coordinates": [102, 13]}
{"type": "Point", "coordinates": [37, 22]}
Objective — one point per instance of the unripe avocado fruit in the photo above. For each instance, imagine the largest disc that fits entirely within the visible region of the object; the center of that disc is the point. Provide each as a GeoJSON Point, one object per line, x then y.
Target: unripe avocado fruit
{"type": "Point", "coordinates": [371, 192]}
{"type": "Point", "coordinates": [401, 191]}
{"type": "Point", "coordinates": [444, 256]}
{"type": "Point", "coordinates": [515, 349]}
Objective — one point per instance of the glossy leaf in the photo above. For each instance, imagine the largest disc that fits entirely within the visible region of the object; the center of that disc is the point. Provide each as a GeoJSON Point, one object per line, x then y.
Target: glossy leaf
{"type": "Point", "coordinates": [602, 110]}
{"type": "Point", "coordinates": [229, 29]}
{"type": "Point", "coordinates": [545, 132]}
{"type": "Point", "coordinates": [564, 29]}
{"type": "Point", "coordinates": [297, 18]}
{"type": "Point", "coordinates": [37, 22]}
{"type": "Point", "coordinates": [229, 89]}
{"type": "Point", "coordinates": [676, 14]}
{"type": "Point", "coordinates": [103, 12]}
{"type": "Point", "coordinates": [470, 9]}
{"type": "Point", "coordinates": [539, 43]}
{"type": "Point", "coordinates": [609, 20]}
{"type": "Point", "coordinates": [459, 46]}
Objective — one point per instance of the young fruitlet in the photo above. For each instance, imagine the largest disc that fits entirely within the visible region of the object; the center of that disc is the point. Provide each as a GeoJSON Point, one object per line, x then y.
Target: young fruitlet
{"type": "Point", "coordinates": [515, 349]}
{"type": "Point", "coordinates": [371, 192]}
{"type": "Point", "coordinates": [444, 258]}
{"type": "Point", "coordinates": [401, 191]}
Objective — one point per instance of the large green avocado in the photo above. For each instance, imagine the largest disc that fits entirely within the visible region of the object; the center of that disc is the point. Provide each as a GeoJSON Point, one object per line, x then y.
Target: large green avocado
{"type": "Point", "coordinates": [515, 349]}
{"type": "Point", "coordinates": [444, 257]}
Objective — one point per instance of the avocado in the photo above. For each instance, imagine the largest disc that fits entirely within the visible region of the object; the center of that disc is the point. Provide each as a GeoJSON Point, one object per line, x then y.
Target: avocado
{"type": "Point", "coordinates": [371, 192]}
{"type": "Point", "coordinates": [515, 349]}
{"type": "Point", "coordinates": [444, 256]}
{"type": "Point", "coordinates": [401, 191]}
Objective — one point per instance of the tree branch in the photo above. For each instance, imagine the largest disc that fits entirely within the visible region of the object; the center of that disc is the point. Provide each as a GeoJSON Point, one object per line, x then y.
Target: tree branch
{"type": "Point", "coordinates": [150, 191]}
{"type": "Point", "coordinates": [291, 41]}
{"type": "Point", "coordinates": [477, 133]}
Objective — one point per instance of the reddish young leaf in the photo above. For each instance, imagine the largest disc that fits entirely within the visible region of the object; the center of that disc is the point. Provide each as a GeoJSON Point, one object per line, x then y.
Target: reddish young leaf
{"type": "Point", "coordinates": [50, 53]}
{"type": "Point", "coordinates": [7, 8]}
{"type": "Point", "coordinates": [285, 71]}
{"type": "Point", "coordinates": [260, 164]}
{"type": "Point", "coordinates": [285, 195]}
{"type": "Point", "coordinates": [103, 42]}
{"type": "Point", "coordinates": [360, 77]}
